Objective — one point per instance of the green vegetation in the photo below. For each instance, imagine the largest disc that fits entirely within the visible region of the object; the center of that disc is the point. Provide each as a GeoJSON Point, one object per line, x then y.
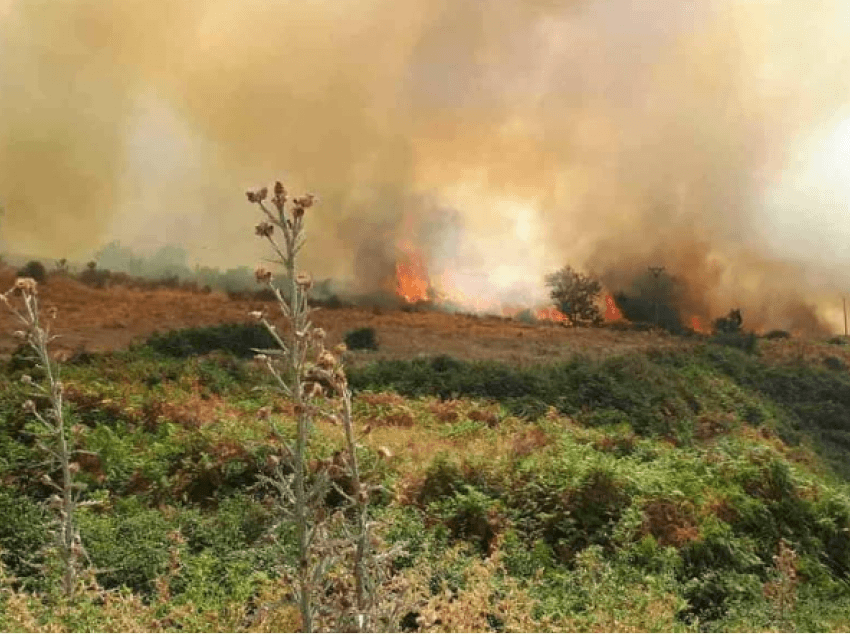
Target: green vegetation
{"type": "Point", "coordinates": [363, 338]}
{"type": "Point", "coordinates": [689, 490]}
{"type": "Point", "coordinates": [239, 339]}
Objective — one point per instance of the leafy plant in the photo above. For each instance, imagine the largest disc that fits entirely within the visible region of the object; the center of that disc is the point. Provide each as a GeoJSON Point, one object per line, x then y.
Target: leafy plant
{"type": "Point", "coordinates": [50, 426]}
{"type": "Point", "coordinates": [575, 294]}
{"type": "Point", "coordinates": [362, 338]}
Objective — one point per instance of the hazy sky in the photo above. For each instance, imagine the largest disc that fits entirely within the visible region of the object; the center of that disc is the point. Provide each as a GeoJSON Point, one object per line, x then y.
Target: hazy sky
{"type": "Point", "coordinates": [503, 138]}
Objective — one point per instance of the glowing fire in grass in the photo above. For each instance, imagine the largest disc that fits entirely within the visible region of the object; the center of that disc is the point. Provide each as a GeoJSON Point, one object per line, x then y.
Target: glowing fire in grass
{"type": "Point", "coordinates": [551, 314]}
{"type": "Point", "coordinates": [412, 281]}
{"type": "Point", "coordinates": [414, 284]}
{"type": "Point", "coordinates": [612, 312]}
{"type": "Point", "coordinates": [696, 325]}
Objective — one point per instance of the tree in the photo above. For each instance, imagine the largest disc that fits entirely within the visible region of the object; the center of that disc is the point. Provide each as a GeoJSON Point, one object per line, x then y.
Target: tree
{"type": "Point", "coordinates": [731, 323]}
{"type": "Point", "coordinates": [575, 294]}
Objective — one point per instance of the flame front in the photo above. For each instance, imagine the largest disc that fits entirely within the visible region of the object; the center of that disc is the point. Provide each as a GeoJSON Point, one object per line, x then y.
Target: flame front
{"type": "Point", "coordinates": [612, 312]}
{"type": "Point", "coordinates": [412, 282]}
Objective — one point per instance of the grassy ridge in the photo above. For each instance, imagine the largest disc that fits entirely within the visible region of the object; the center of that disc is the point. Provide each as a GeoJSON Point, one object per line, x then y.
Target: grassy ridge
{"type": "Point", "coordinates": [668, 394]}
{"type": "Point", "coordinates": [669, 491]}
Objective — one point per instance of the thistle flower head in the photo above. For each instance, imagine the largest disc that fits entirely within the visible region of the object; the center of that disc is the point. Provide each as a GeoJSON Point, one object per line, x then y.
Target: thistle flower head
{"type": "Point", "coordinates": [326, 360]}
{"type": "Point", "coordinates": [304, 280]}
{"type": "Point", "coordinates": [262, 274]}
{"type": "Point", "coordinates": [304, 202]}
{"type": "Point", "coordinates": [279, 190]}
{"type": "Point", "coordinates": [313, 390]}
{"type": "Point", "coordinates": [264, 228]}
{"type": "Point", "coordinates": [257, 197]}
{"type": "Point", "coordinates": [26, 285]}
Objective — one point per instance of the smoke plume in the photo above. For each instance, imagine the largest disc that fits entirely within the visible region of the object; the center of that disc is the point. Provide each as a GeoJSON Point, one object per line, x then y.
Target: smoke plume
{"type": "Point", "coordinates": [502, 138]}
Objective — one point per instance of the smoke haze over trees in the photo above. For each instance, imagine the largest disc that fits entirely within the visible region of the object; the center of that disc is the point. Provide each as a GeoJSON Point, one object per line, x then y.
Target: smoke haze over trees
{"type": "Point", "coordinates": [615, 135]}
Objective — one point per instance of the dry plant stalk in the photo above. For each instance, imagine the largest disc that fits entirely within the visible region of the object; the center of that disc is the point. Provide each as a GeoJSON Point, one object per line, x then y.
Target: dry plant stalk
{"type": "Point", "coordinates": [55, 439]}
{"type": "Point", "coordinates": [305, 383]}
{"type": "Point", "coordinates": [782, 591]}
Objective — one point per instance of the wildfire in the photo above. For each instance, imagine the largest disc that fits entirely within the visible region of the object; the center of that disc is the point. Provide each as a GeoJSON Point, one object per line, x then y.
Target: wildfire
{"type": "Point", "coordinates": [411, 276]}
{"type": "Point", "coordinates": [612, 312]}
{"type": "Point", "coordinates": [414, 284]}
{"type": "Point", "coordinates": [551, 314]}
{"type": "Point", "coordinates": [696, 325]}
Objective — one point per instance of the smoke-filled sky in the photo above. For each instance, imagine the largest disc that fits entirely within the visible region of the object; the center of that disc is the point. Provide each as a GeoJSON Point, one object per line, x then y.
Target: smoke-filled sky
{"type": "Point", "coordinates": [503, 138]}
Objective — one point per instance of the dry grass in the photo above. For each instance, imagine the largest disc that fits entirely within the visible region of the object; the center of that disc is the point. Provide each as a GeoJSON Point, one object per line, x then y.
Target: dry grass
{"type": "Point", "coordinates": [109, 319]}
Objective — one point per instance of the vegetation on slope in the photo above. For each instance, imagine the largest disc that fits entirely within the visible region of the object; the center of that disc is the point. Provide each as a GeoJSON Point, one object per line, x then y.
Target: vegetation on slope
{"type": "Point", "coordinates": [671, 491]}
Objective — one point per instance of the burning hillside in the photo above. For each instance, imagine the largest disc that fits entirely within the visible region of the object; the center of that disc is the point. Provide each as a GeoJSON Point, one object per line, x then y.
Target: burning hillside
{"type": "Point", "coordinates": [502, 139]}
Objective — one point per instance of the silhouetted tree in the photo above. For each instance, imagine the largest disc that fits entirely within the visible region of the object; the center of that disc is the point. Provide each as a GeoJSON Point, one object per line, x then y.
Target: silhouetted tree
{"type": "Point", "coordinates": [731, 323]}
{"type": "Point", "coordinates": [575, 294]}
{"type": "Point", "coordinates": [34, 270]}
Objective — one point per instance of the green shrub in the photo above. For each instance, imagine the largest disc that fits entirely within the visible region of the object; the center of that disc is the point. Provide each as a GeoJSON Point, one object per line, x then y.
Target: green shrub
{"type": "Point", "coordinates": [130, 546]}
{"type": "Point", "coordinates": [650, 396]}
{"type": "Point", "coordinates": [834, 363]}
{"type": "Point", "coordinates": [711, 595]}
{"type": "Point", "coordinates": [23, 533]}
{"type": "Point", "coordinates": [35, 270]}
{"type": "Point", "coordinates": [777, 334]}
{"type": "Point", "coordinates": [237, 339]}
{"type": "Point", "coordinates": [745, 341]}
{"type": "Point", "coordinates": [362, 338]}
{"type": "Point", "coordinates": [470, 515]}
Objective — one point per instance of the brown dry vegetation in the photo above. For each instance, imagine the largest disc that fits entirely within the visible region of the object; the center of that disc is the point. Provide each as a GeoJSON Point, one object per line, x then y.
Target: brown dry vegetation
{"type": "Point", "coordinates": [98, 320]}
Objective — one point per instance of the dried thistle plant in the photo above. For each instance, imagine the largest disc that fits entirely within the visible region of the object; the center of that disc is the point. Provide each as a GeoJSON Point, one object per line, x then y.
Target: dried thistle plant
{"type": "Point", "coordinates": [782, 591]}
{"type": "Point", "coordinates": [53, 433]}
{"type": "Point", "coordinates": [314, 379]}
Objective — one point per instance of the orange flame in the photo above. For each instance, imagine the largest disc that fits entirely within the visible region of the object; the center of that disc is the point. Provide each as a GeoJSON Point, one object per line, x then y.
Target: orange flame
{"type": "Point", "coordinates": [412, 282]}
{"type": "Point", "coordinates": [612, 312]}
{"type": "Point", "coordinates": [696, 325]}
{"type": "Point", "coordinates": [551, 314]}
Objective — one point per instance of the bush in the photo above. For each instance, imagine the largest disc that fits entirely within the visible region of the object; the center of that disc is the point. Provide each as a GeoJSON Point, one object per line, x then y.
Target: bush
{"type": "Point", "coordinates": [130, 547]}
{"type": "Point", "coordinates": [35, 270]}
{"type": "Point", "coordinates": [745, 341]}
{"type": "Point", "coordinates": [575, 294]}
{"type": "Point", "coordinates": [777, 334]}
{"type": "Point", "coordinates": [649, 395]}
{"type": "Point", "coordinates": [834, 364]}
{"type": "Point", "coordinates": [363, 338]}
{"type": "Point", "coordinates": [237, 339]}
{"type": "Point", "coordinates": [24, 530]}
{"type": "Point", "coordinates": [731, 323]}
{"type": "Point", "coordinates": [94, 277]}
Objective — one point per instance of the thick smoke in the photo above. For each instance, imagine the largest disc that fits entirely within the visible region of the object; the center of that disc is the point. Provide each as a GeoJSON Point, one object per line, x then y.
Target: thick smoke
{"type": "Point", "coordinates": [503, 138]}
